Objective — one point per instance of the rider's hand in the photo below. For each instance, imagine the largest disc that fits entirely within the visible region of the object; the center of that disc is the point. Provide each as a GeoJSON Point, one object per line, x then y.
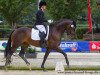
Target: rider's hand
{"type": "Point", "coordinates": [50, 21]}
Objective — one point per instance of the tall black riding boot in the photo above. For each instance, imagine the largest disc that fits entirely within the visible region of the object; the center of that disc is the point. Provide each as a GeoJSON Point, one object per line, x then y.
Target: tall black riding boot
{"type": "Point", "coordinates": [42, 40]}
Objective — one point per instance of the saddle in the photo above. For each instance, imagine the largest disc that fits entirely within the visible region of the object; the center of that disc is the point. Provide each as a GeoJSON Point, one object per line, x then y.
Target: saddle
{"type": "Point", "coordinates": [36, 34]}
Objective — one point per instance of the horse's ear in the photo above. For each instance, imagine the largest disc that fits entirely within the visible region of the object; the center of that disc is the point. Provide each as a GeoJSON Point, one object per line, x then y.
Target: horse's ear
{"type": "Point", "coordinates": [74, 23]}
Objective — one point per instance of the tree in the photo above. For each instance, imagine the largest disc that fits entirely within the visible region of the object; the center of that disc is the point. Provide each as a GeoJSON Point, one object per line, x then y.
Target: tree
{"type": "Point", "coordinates": [29, 17]}
{"type": "Point", "coordinates": [96, 12]}
{"type": "Point", "coordinates": [65, 8]}
{"type": "Point", "coordinates": [13, 10]}
{"type": "Point", "coordinates": [71, 9]}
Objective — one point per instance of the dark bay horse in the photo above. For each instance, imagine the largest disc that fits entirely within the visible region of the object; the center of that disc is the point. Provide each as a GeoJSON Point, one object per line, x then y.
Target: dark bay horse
{"type": "Point", "coordinates": [22, 37]}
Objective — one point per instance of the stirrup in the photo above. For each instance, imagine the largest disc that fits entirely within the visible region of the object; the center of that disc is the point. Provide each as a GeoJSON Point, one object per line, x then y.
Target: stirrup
{"type": "Point", "coordinates": [43, 44]}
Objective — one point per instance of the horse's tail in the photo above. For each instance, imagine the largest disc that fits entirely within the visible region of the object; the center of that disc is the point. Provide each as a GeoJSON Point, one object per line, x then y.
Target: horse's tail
{"type": "Point", "coordinates": [8, 46]}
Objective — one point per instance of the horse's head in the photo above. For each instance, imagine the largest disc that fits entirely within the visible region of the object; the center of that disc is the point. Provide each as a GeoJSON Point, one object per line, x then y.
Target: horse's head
{"type": "Point", "coordinates": [70, 29]}
{"type": "Point", "coordinates": [65, 25]}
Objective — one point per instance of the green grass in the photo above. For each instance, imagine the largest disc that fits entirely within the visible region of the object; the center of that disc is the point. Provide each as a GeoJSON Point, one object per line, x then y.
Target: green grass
{"type": "Point", "coordinates": [83, 68]}
{"type": "Point", "coordinates": [34, 68]}
{"type": "Point", "coordinates": [23, 68]}
{"type": "Point", "coordinates": [3, 39]}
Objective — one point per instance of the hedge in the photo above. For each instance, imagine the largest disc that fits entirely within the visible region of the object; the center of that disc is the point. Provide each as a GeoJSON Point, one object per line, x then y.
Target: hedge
{"type": "Point", "coordinates": [81, 31]}
{"type": "Point", "coordinates": [4, 33]}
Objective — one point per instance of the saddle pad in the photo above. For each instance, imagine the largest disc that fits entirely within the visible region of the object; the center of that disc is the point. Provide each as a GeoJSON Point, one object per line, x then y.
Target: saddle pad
{"type": "Point", "coordinates": [35, 34]}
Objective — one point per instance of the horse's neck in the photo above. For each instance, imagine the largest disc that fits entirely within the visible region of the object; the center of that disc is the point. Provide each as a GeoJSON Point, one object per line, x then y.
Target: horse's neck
{"type": "Point", "coordinates": [56, 32]}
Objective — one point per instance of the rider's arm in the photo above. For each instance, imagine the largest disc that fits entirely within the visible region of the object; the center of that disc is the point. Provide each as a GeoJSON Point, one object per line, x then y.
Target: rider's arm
{"type": "Point", "coordinates": [41, 17]}
{"type": "Point", "coordinates": [44, 19]}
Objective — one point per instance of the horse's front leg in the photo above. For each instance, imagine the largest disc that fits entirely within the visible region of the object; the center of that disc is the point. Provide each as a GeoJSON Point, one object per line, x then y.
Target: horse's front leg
{"type": "Point", "coordinates": [65, 55]}
{"type": "Point", "coordinates": [45, 57]}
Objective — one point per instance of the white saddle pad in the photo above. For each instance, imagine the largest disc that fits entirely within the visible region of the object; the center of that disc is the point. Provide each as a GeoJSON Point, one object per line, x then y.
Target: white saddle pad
{"type": "Point", "coordinates": [35, 34]}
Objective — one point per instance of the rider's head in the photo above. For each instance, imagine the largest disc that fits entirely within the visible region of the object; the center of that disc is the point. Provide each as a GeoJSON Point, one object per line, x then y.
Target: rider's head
{"type": "Point", "coordinates": [42, 5]}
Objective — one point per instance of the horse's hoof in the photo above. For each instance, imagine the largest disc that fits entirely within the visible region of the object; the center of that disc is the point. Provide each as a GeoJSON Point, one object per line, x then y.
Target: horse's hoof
{"type": "Point", "coordinates": [6, 69]}
{"type": "Point", "coordinates": [3, 60]}
{"type": "Point", "coordinates": [30, 69]}
{"type": "Point", "coordinates": [44, 70]}
{"type": "Point", "coordinates": [29, 66]}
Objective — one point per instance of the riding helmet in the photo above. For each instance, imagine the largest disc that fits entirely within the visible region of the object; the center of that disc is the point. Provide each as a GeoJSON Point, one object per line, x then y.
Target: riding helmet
{"type": "Point", "coordinates": [42, 3]}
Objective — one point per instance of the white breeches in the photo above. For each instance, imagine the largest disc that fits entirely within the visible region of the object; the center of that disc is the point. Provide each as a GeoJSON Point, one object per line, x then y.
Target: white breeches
{"type": "Point", "coordinates": [41, 28]}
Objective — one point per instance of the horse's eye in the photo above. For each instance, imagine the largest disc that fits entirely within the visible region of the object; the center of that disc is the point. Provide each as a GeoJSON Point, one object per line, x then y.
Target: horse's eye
{"type": "Point", "coordinates": [72, 26]}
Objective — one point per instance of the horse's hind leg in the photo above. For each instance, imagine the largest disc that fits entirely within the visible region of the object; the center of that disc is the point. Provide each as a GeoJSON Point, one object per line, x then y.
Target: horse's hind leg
{"type": "Point", "coordinates": [22, 53]}
{"type": "Point", "coordinates": [65, 55]}
{"type": "Point", "coordinates": [8, 58]}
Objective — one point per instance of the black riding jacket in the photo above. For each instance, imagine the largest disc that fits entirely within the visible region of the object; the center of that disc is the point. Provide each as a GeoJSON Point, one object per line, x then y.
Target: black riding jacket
{"type": "Point", "coordinates": [40, 19]}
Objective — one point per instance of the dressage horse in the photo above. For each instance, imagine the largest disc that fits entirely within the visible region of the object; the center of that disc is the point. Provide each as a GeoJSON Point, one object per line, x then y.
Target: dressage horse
{"type": "Point", "coordinates": [22, 37]}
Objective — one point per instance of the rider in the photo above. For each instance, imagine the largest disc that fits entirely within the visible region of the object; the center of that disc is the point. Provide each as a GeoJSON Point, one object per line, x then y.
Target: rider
{"type": "Point", "coordinates": [39, 24]}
